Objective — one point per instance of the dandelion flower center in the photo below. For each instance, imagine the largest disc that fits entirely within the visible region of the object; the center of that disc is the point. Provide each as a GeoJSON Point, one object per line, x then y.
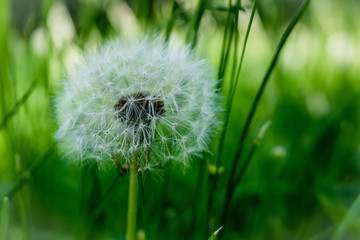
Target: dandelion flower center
{"type": "Point", "coordinates": [139, 108]}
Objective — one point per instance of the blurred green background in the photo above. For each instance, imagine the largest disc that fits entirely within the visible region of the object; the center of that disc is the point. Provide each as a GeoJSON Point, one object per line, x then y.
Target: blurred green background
{"type": "Point", "coordinates": [303, 179]}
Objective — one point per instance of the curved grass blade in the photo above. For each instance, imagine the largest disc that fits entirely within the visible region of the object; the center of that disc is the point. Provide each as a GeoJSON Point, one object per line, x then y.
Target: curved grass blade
{"type": "Point", "coordinates": [350, 226]}
{"type": "Point", "coordinates": [18, 104]}
{"type": "Point", "coordinates": [30, 172]}
{"type": "Point", "coordinates": [174, 13]}
{"type": "Point", "coordinates": [229, 102]}
{"type": "Point", "coordinates": [195, 23]}
{"type": "Point", "coordinates": [254, 106]}
{"type": "Point", "coordinates": [225, 48]}
{"type": "Point", "coordinates": [251, 154]}
{"type": "Point", "coordinates": [213, 236]}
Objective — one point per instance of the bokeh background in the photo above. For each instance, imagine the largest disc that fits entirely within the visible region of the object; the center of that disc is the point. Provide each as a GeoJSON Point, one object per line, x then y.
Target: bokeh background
{"type": "Point", "coordinates": [302, 181]}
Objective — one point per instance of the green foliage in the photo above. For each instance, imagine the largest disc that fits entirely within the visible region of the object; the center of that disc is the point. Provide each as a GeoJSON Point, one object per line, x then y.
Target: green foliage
{"type": "Point", "coordinates": [301, 181]}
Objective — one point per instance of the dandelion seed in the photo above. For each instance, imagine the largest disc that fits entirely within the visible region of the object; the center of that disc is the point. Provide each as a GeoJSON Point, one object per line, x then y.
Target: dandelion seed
{"type": "Point", "coordinates": [137, 97]}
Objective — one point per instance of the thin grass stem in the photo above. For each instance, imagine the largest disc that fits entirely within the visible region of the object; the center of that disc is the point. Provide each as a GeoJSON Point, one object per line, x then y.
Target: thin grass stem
{"type": "Point", "coordinates": [228, 108]}
{"type": "Point", "coordinates": [29, 173]}
{"type": "Point", "coordinates": [18, 104]}
{"type": "Point", "coordinates": [250, 155]}
{"type": "Point", "coordinates": [351, 220]}
{"type": "Point", "coordinates": [195, 23]}
{"type": "Point", "coordinates": [224, 46]}
{"type": "Point", "coordinates": [197, 194]}
{"type": "Point", "coordinates": [224, 56]}
{"type": "Point", "coordinates": [254, 106]}
{"type": "Point", "coordinates": [213, 236]}
{"type": "Point", "coordinates": [174, 12]}
{"type": "Point", "coordinates": [100, 206]}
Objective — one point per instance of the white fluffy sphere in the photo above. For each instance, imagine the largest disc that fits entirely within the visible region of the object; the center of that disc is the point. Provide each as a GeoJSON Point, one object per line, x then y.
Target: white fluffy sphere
{"type": "Point", "coordinates": [137, 98]}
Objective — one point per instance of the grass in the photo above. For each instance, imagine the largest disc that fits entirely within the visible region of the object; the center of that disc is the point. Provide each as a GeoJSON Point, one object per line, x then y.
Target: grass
{"type": "Point", "coordinates": [231, 185]}
{"type": "Point", "coordinates": [300, 181]}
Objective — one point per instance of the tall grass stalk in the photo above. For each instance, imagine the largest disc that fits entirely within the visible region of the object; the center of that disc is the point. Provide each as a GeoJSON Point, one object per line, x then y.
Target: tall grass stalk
{"type": "Point", "coordinates": [195, 23]}
{"type": "Point", "coordinates": [233, 80]}
{"type": "Point", "coordinates": [229, 101]}
{"type": "Point", "coordinates": [213, 236]}
{"type": "Point", "coordinates": [90, 188]}
{"type": "Point", "coordinates": [30, 172]}
{"type": "Point", "coordinates": [228, 37]}
{"type": "Point", "coordinates": [18, 104]}
{"type": "Point", "coordinates": [4, 56]}
{"type": "Point", "coordinates": [225, 49]}
{"type": "Point", "coordinates": [253, 148]}
{"type": "Point", "coordinates": [174, 12]}
{"type": "Point", "coordinates": [230, 186]}
{"type": "Point", "coordinates": [350, 224]}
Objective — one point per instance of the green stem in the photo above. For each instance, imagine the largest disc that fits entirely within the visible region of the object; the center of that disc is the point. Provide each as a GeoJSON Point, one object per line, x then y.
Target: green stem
{"type": "Point", "coordinates": [230, 187]}
{"type": "Point", "coordinates": [132, 204]}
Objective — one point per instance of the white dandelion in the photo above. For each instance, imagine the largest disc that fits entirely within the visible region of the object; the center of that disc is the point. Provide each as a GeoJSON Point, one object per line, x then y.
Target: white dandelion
{"type": "Point", "coordinates": [137, 98]}
{"type": "Point", "coordinates": [139, 104]}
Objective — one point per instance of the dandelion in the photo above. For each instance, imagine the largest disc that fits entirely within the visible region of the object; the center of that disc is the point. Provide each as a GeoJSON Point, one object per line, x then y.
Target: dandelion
{"type": "Point", "coordinates": [138, 104]}
{"type": "Point", "coordinates": [137, 98]}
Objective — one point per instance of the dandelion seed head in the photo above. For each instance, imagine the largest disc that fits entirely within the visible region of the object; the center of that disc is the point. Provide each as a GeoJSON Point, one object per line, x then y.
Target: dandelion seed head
{"type": "Point", "coordinates": [140, 97]}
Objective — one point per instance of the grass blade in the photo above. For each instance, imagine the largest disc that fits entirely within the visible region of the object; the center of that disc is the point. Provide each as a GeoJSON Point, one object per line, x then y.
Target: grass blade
{"type": "Point", "coordinates": [251, 154]}
{"type": "Point", "coordinates": [213, 236]}
{"type": "Point", "coordinates": [195, 23]}
{"type": "Point", "coordinates": [225, 48]}
{"type": "Point", "coordinates": [229, 102]}
{"type": "Point", "coordinates": [254, 106]}
{"type": "Point", "coordinates": [174, 13]}
{"type": "Point", "coordinates": [350, 224]}
{"type": "Point", "coordinates": [30, 172]}
{"type": "Point", "coordinates": [18, 104]}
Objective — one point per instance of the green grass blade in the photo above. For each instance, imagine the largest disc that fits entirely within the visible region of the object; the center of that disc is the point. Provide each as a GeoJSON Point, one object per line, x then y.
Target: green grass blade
{"type": "Point", "coordinates": [30, 172]}
{"type": "Point", "coordinates": [224, 54]}
{"type": "Point", "coordinates": [225, 46]}
{"type": "Point", "coordinates": [230, 98]}
{"type": "Point", "coordinates": [254, 106]}
{"type": "Point", "coordinates": [174, 12]}
{"type": "Point", "coordinates": [213, 236]}
{"type": "Point", "coordinates": [5, 91]}
{"type": "Point", "coordinates": [4, 220]}
{"type": "Point", "coordinates": [232, 91]}
{"type": "Point", "coordinates": [254, 146]}
{"type": "Point", "coordinates": [350, 224]}
{"type": "Point", "coordinates": [248, 29]}
{"type": "Point", "coordinates": [18, 104]}
{"type": "Point", "coordinates": [195, 23]}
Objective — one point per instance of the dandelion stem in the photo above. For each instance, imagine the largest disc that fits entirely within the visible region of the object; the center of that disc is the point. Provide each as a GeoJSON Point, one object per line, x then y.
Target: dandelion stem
{"type": "Point", "coordinates": [132, 204]}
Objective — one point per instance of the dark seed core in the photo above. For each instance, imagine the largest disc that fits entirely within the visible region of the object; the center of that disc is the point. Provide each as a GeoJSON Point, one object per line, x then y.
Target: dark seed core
{"type": "Point", "coordinates": [139, 108]}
